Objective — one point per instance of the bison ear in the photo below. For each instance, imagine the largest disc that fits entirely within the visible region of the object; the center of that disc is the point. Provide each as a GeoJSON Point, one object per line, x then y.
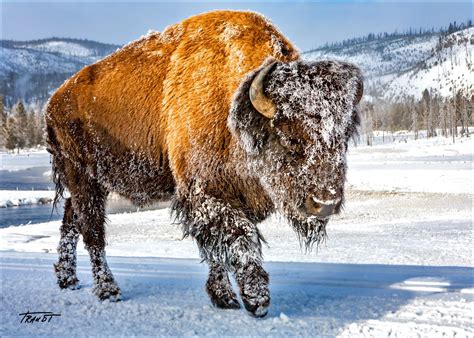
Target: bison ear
{"type": "Point", "coordinates": [246, 124]}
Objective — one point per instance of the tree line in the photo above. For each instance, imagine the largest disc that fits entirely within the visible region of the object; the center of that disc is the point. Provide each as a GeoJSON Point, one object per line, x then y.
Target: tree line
{"type": "Point", "coordinates": [410, 33]}
{"type": "Point", "coordinates": [436, 115]}
{"type": "Point", "coordinates": [20, 128]}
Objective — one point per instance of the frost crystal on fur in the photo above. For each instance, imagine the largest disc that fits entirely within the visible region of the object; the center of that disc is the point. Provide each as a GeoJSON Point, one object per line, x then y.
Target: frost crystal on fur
{"type": "Point", "coordinates": [105, 286]}
{"type": "Point", "coordinates": [219, 287]}
{"type": "Point", "coordinates": [223, 233]}
{"type": "Point", "coordinates": [321, 94]}
{"type": "Point", "coordinates": [310, 231]}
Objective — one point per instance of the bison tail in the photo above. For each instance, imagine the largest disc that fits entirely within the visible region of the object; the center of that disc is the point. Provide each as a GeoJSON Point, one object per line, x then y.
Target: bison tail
{"type": "Point", "coordinates": [57, 162]}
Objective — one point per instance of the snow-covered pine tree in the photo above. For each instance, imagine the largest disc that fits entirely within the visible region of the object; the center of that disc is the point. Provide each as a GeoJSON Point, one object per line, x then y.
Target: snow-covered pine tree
{"type": "Point", "coordinates": [3, 124]}
{"type": "Point", "coordinates": [12, 134]}
{"type": "Point", "coordinates": [21, 124]}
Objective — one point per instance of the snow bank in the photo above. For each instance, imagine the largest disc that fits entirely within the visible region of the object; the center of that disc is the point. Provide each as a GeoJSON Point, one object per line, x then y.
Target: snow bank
{"type": "Point", "coordinates": [14, 198]}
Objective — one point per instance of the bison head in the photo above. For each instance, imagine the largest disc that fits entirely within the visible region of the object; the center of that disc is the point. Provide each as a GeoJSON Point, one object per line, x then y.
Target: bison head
{"type": "Point", "coordinates": [294, 121]}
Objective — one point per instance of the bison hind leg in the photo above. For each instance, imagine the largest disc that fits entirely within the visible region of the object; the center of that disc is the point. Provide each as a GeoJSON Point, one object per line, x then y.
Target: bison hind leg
{"type": "Point", "coordinates": [65, 268]}
{"type": "Point", "coordinates": [88, 200]}
{"type": "Point", "coordinates": [219, 288]}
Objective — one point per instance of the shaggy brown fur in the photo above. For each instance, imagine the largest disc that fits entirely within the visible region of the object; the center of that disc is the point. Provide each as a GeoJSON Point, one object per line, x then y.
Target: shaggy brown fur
{"type": "Point", "coordinates": [151, 121]}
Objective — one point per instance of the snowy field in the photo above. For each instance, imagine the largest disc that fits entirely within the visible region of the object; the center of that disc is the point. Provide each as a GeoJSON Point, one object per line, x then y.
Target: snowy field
{"type": "Point", "coordinates": [426, 165]}
{"type": "Point", "coordinates": [398, 262]}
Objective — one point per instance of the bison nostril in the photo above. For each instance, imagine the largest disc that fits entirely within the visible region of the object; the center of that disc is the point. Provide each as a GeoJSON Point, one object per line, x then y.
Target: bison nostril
{"type": "Point", "coordinates": [316, 207]}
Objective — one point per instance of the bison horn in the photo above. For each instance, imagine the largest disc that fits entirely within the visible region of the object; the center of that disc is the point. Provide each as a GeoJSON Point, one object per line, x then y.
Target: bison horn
{"type": "Point", "coordinates": [259, 100]}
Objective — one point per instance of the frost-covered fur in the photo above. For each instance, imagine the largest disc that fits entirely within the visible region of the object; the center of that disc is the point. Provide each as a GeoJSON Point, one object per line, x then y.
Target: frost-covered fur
{"type": "Point", "coordinates": [169, 116]}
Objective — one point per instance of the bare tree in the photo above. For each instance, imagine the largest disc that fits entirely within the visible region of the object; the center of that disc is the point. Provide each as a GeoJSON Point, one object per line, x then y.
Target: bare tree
{"type": "Point", "coordinates": [367, 109]}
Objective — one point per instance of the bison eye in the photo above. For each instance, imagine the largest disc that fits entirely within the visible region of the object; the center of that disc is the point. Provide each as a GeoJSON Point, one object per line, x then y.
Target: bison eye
{"type": "Point", "coordinates": [293, 145]}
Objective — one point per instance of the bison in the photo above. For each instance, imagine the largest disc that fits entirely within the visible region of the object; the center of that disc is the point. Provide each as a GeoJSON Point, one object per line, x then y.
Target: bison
{"type": "Point", "coordinates": [219, 114]}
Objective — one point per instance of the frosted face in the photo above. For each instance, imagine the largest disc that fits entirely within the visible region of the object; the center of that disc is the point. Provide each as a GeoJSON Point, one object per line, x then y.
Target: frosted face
{"type": "Point", "coordinates": [305, 156]}
{"type": "Point", "coordinates": [296, 165]}
{"type": "Point", "coordinates": [299, 155]}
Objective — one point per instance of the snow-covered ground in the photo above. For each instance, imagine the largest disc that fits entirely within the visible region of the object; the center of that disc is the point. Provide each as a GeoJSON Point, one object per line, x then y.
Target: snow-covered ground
{"type": "Point", "coordinates": [62, 47]}
{"type": "Point", "coordinates": [398, 261]}
{"type": "Point", "coordinates": [451, 68]}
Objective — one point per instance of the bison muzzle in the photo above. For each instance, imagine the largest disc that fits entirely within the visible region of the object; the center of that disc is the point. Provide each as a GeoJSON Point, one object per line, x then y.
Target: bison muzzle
{"type": "Point", "coordinates": [219, 114]}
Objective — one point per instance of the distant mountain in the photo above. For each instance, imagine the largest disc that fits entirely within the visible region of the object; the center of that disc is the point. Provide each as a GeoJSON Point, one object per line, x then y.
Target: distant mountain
{"type": "Point", "coordinates": [400, 66]}
{"type": "Point", "coordinates": [395, 65]}
{"type": "Point", "coordinates": [32, 70]}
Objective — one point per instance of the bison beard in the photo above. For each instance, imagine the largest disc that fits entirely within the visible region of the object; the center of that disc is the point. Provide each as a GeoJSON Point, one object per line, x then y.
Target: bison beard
{"type": "Point", "coordinates": [153, 129]}
{"type": "Point", "coordinates": [310, 231]}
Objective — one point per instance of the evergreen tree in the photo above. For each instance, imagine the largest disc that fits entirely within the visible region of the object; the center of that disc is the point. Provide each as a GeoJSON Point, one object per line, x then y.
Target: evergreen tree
{"type": "Point", "coordinates": [12, 137]}
{"type": "Point", "coordinates": [3, 124]}
{"type": "Point", "coordinates": [21, 122]}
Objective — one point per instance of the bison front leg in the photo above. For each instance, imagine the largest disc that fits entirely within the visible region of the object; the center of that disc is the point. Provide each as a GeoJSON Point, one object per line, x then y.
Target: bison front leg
{"type": "Point", "coordinates": [253, 282]}
{"type": "Point", "coordinates": [225, 235]}
{"type": "Point", "coordinates": [88, 200]}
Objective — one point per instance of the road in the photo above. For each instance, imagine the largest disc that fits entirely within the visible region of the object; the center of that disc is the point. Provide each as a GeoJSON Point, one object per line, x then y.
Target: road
{"type": "Point", "coordinates": [165, 296]}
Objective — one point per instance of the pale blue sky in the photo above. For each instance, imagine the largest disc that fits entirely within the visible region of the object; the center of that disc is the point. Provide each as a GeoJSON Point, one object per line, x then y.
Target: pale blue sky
{"type": "Point", "coordinates": [307, 24]}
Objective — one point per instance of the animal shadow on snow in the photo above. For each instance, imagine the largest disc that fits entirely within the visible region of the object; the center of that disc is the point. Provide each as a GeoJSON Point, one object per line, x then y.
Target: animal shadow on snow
{"type": "Point", "coordinates": [352, 292]}
{"type": "Point", "coordinates": [337, 293]}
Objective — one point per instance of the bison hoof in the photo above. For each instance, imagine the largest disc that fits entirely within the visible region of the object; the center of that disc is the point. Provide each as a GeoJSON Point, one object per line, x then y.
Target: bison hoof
{"type": "Point", "coordinates": [232, 304]}
{"type": "Point", "coordinates": [66, 277]}
{"type": "Point", "coordinates": [113, 298]}
{"type": "Point", "coordinates": [257, 310]}
{"type": "Point", "coordinates": [253, 283]}
{"type": "Point", "coordinates": [70, 283]}
{"type": "Point", "coordinates": [220, 291]}
{"type": "Point", "coordinates": [109, 292]}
